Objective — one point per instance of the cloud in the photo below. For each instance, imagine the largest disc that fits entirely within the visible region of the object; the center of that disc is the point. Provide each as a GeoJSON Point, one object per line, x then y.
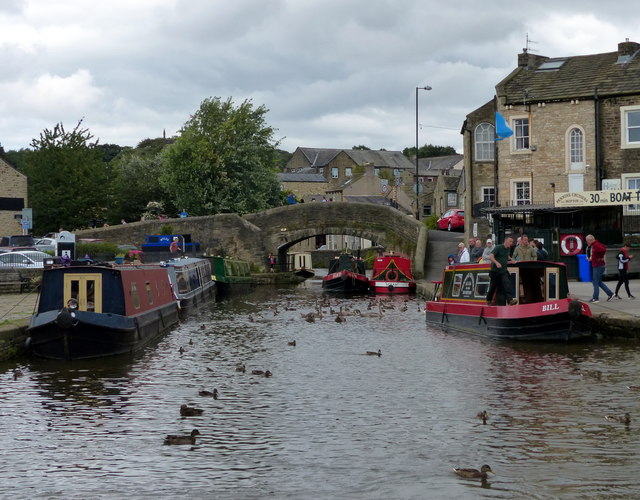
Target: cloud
{"type": "Point", "coordinates": [332, 73]}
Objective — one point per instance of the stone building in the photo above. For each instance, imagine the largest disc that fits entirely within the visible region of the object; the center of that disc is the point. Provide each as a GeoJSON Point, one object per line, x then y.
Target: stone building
{"type": "Point", "coordinates": [576, 129]}
{"type": "Point", "coordinates": [429, 171]}
{"type": "Point", "coordinates": [13, 198]}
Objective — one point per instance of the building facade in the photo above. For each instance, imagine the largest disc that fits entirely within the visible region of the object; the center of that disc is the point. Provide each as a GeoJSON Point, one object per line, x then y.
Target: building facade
{"type": "Point", "coordinates": [576, 129]}
{"type": "Point", "coordinates": [13, 198]}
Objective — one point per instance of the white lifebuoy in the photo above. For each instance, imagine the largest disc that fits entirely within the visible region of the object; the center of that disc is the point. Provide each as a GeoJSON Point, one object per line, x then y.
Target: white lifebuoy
{"type": "Point", "coordinates": [568, 249]}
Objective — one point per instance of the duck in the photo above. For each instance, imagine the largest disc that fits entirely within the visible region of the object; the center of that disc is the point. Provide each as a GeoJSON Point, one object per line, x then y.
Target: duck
{"type": "Point", "coordinates": [190, 439]}
{"type": "Point", "coordinates": [190, 341]}
{"type": "Point", "coordinates": [257, 372]}
{"type": "Point", "coordinates": [633, 387]}
{"type": "Point", "coordinates": [474, 473]}
{"type": "Point", "coordinates": [240, 367]}
{"type": "Point", "coordinates": [181, 350]}
{"type": "Point", "coordinates": [292, 343]}
{"type": "Point", "coordinates": [267, 373]}
{"type": "Point", "coordinates": [483, 415]}
{"type": "Point", "coordinates": [189, 411]}
{"type": "Point", "coordinates": [374, 353]}
{"type": "Point", "coordinates": [340, 318]}
{"type": "Point", "coordinates": [17, 372]}
{"type": "Point", "coordinates": [623, 419]}
{"type": "Point", "coordinates": [213, 394]}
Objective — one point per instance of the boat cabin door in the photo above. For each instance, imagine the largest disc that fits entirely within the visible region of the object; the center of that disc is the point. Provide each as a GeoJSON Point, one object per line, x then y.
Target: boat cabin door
{"type": "Point", "coordinates": [85, 289]}
{"type": "Point", "coordinates": [551, 283]}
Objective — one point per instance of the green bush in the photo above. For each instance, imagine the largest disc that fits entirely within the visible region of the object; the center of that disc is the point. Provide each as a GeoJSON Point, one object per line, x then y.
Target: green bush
{"type": "Point", "coordinates": [166, 229]}
{"type": "Point", "coordinates": [97, 248]}
{"type": "Point", "coordinates": [430, 221]}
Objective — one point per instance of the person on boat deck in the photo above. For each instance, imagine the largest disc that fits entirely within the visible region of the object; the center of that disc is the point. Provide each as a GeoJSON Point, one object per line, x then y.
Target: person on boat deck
{"type": "Point", "coordinates": [463, 254]}
{"type": "Point", "coordinates": [513, 247]}
{"type": "Point", "coordinates": [595, 255]}
{"type": "Point", "coordinates": [174, 247]}
{"type": "Point", "coordinates": [472, 244]}
{"type": "Point", "coordinates": [476, 252]}
{"type": "Point", "coordinates": [623, 267]}
{"type": "Point", "coordinates": [541, 251]}
{"type": "Point", "coordinates": [487, 250]}
{"type": "Point", "coordinates": [499, 274]}
{"type": "Point", "coordinates": [524, 251]}
{"type": "Point", "coordinates": [451, 259]}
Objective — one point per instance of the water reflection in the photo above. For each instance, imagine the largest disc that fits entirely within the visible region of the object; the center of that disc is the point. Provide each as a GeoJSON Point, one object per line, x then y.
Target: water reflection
{"type": "Point", "coordinates": [332, 422]}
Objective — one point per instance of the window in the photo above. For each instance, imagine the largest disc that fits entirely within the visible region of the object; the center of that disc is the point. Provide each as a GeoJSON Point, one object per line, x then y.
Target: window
{"type": "Point", "coordinates": [489, 195]}
{"type": "Point", "coordinates": [396, 172]}
{"type": "Point", "coordinates": [426, 210]}
{"type": "Point", "coordinates": [576, 149]}
{"type": "Point", "coordinates": [376, 172]}
{"type": "Point", "coordinates": [452, 199]}
{"type": "Point", "coordinates": [347, 171]}
{"type": "Point", "coordinates": [576, 183]}
{"type": "Point", "coordinates": [485, 145]}
{"type": "Point", "coordinates": [521, 192]}
{"type": "Point", "coordinates": [631, 181]}
{"type": "Point", "coordinates": [334, 172]}
{"type": "Point", "coordinates": [630, 127]}
{"type": "Point", "coordinates": [521, 133]}
{"type": "Point", "coordinates": [321, 170]}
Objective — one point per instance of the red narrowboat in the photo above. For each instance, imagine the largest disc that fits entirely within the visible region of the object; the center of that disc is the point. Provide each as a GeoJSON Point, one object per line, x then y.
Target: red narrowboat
{"type": "Point", "coordinates": [392, 274]}
{"type": "Point", "coordinates": [346, 274]}
{"type": "Point", "coordinates": [544, 309]}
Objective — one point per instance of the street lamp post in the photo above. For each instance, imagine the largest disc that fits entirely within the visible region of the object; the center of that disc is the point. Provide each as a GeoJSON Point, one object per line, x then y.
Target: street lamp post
{"type": "Point", "coordinates": [416, 186]}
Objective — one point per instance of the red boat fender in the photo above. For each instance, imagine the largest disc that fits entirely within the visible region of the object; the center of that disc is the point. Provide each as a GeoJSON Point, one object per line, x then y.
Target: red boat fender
{"type": "Point", "coordinates": [391, 275]}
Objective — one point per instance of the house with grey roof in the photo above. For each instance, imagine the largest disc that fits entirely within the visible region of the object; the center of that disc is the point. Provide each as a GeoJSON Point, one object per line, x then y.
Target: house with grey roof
{"type": "Point", "coordinates": [576, 130]}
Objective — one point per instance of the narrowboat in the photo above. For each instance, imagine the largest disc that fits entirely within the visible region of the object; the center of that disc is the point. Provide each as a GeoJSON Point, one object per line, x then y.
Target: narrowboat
{"type": "Point", "coordinates": [91, 311]}
{"type": "Point", "coordinates": [346, 274]}
{"type": "Point", "coordinates": [392, 274]}
{"type": "Point", "coordinates": [192, 281]}
{"type": "Point", "coordinates": [300, 263]}
{"type": "Point", "coordinates": [544, 309]}
{"type": "Point", "coordinates": [231, 275]}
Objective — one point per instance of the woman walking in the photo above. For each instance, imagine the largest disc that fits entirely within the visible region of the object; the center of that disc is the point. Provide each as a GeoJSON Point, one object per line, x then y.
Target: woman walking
{"type": "Point", "coordinates": [623, 268]}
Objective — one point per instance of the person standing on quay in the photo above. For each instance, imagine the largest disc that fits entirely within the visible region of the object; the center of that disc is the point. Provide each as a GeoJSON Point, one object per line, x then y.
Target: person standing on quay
{"type": "Point", "coordinates": [623, 268]}
{"type": "Point", "coordinates": [499, 274]}
{"type": "Point", "coordinates": [595, 254]}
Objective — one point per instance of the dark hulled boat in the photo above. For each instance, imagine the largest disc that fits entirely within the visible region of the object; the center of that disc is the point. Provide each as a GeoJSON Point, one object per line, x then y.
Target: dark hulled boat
{"type": "Point", "coordinates": [346, 274]}
{"type": "Point", "coordinates": [392, 274]}
{"type": "Point", "coordinates": [544, 310]}
{"type": "Point", "coordinates": [192, 281]}
{"type": "Point", "coordinates": [94, 311]}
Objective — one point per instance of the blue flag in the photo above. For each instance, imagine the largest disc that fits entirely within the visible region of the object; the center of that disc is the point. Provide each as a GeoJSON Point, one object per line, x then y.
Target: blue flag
{"type": "Point", "coordinates": [502, 129]}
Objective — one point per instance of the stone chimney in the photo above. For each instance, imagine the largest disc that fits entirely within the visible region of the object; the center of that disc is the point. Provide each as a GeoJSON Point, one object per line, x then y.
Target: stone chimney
{"type": "Point", "coordinates": [628, 48]}
{"type": "Point", "coordinates": [530, 61]}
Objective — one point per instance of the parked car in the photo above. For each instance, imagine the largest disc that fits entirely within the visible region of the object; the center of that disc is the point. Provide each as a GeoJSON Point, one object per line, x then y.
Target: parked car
{"type": "Point", "coordinates": [33, 259]}
{"type": "Point", "coordinates": [7, 243]}
{"type": "Point", "coordinates": [45, 245]}
{"type": "Point", "coordinates": [451, 220]}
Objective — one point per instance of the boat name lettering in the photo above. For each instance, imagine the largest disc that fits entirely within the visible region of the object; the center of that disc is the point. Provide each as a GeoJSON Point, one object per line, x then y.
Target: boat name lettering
{"type": "Point", "coordinates": [550, 307]}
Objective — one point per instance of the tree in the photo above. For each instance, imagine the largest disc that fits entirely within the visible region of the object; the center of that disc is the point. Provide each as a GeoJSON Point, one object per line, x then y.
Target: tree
{"type": "Point", "coordinates": [223, 160]}
{"type": "Point", "coordinates": [67, 180]}
{"type": "Point", "coordinates": [361, 148]}
{"type": "Point", "coordinates": [429, 151]}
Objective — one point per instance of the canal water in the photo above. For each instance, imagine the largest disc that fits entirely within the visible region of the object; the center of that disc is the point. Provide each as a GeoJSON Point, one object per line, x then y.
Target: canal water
{"type": "Point", "coordinates": [331, 421]}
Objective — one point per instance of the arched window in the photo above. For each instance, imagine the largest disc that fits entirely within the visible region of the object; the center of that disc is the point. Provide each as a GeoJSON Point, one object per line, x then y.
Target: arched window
{"type": "Point", "coordinates": [484, 138]}
{"type": "Point", "coordinates": [576, 149]}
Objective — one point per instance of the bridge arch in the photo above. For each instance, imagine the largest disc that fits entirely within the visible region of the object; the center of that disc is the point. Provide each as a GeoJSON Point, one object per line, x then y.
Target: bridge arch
{"type": "Point", "coordinates": [253, 236]}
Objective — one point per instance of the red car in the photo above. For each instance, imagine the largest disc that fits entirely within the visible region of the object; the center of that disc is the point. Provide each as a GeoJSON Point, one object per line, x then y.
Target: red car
{"type": "Point", "coordinates": [451, 220]}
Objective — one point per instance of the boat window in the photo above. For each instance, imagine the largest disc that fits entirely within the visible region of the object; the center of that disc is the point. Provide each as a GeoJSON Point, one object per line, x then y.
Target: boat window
{"type": "Point", "coordinates": [135, 296]}
{"type": "Point", "coordinates": [183, 284]}
{"type": "Point", "coordinates": [85, 290]}
{"type": "Point", "coordinates": [149, 292]}
{"type": "Point", "coordinates": [514, 281]}
{"type": "Point", "coordinates": [482, 285]}
{"type": "Point", "coordinates": [552, 292]}
{"type": "Point", "coordinates": [457, 285]}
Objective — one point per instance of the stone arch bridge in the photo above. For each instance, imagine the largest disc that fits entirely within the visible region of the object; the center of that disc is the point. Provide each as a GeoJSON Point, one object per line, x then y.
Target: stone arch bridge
{"type": "Point", "coordinates": [254, 236]}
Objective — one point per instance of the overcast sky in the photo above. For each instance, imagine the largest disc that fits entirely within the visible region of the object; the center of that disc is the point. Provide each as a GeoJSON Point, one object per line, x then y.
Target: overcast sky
{"type": "Point", "coordinates": [333, 73]}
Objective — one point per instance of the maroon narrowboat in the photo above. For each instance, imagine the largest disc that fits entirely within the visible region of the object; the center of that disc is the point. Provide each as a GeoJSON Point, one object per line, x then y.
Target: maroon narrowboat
{"type": "Point", "coordinates": [392, 274]}
{"type": "Point", "coordinates": [90, 311]}
{"type": "Point", "coordinates": [346, 275]}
